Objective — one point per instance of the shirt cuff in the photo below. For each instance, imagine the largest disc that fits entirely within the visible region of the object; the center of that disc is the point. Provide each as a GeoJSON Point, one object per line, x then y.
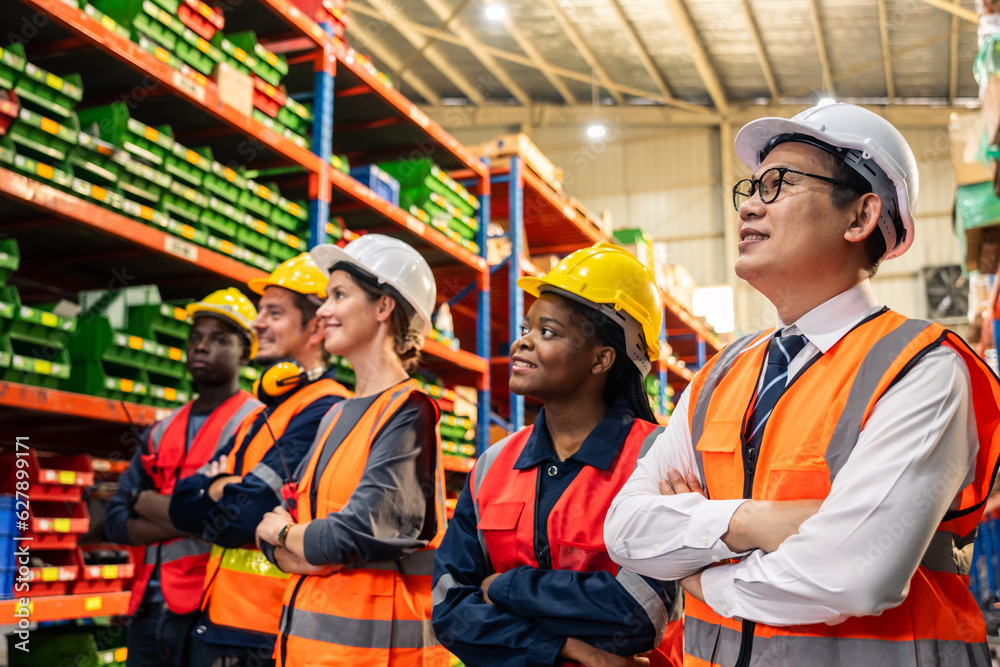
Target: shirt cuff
{"type": "Point", "coordinates": [718, 587]}
{"type": "Point", "coordinates": [708, 522]}
{"type": "Point", "coordinates": [500, 590]}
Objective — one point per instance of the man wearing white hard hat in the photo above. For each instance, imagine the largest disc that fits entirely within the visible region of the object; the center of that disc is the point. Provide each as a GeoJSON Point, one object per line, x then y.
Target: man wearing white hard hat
{"type": "Point", "coordinates": [818, 487]}
{"type": "Point", "coordinates": [370, 497]}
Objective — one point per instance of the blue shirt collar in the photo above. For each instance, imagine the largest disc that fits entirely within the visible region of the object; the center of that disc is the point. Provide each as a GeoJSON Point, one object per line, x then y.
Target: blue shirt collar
{"type": "Point", "coordinates": [598, 450]}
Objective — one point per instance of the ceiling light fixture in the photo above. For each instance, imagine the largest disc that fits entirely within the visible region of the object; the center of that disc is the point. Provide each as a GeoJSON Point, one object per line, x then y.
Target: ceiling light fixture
{"type": "Point", "coordinates": [495, 12]}
{"type": "Point", "coordinates": [824, 101]}
{"type": "Point", "coordinates": [596, 131]}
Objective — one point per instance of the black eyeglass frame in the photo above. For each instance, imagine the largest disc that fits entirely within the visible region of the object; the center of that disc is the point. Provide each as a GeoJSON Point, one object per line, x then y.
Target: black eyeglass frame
{"type": "Point", "coordinates": [756, 182]}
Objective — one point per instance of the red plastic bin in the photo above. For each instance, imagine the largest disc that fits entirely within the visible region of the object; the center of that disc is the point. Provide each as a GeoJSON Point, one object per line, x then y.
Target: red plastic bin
{"type": "Point", "coordinates": [56, 577]}
{"type": "Point", "coordinates": [57, 525]}
{"type": "Point", "coordinates": [59, 477]}
{"type": "Point", "coordinates": [105, 578]}
{"type": "Point", "coordinates": [10, 106]}
{"type": "Point", "coordinates": [202, 19]}
{"type": "Point", "coordinates": [267, 98]}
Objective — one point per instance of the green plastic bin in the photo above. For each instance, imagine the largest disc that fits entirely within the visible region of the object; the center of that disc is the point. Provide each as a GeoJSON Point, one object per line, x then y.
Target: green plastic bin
{"type": "Point", "coordinates": [12, 62]}
{"type": "Point", "coordinates": [106, 196]}
{"type": "Point", "coordinates": [296, 117]}
{"type": "Point", "coordinates": [224, 182]}
{"type": "Point", "coordinates": [71, 646]}
{"type": "Point", "coordinates": [268, 66]}
{"type": "Point", "coordinates": [113, 124]}
{"type": "Point", "coordinates": [50, 95]}
{"type": "Point", "coordinates": [162, 322]}
{"type": "Point", "coordinates": [423, 173]}
{"type": "Point", "coordinates": [43, 138]}
{"type": "Point", "coordinates": [197, 52]}
{"type": "Point", "coordinates": [10, 259]}
{"type": "Point", "coordinates": [96, 161]}
{"type": "Point", "coordinates": [57, 176]}
{"type": "Point", "coordinates": [189, 165]}
{"type": "Point", "coordinates": [222, 218]}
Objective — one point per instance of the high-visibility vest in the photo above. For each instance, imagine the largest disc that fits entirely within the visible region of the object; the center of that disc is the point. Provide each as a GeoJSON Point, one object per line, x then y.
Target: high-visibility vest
{"type": "Point", "coordinates": [242, 588]}
{"type": "Point", "coordinates": [182, 560]}
{"type": "Point", "coordinates": [504, 500]}
{"type": "Point", "coordinates": [372, 614]}
{"type": "Point", "coordinates": [807, 440]}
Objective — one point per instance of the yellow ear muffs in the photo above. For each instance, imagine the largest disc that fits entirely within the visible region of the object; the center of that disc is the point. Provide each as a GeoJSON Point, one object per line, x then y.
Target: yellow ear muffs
{"type": "Point", "coordinates": [280, 378]}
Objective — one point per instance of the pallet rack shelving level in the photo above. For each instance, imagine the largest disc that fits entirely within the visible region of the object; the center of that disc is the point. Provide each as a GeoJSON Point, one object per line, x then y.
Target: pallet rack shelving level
{"type": "Point", "coordinates": [61, 607]}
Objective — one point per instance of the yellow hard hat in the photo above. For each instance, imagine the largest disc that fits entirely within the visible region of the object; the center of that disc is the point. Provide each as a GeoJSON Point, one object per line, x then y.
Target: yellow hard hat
{"type": "Point", "coordinates": [610, 279]}
{"type": "Point", "coordinates": [298, 274]}
{"type": "Point", "coordinates": [232, 305]}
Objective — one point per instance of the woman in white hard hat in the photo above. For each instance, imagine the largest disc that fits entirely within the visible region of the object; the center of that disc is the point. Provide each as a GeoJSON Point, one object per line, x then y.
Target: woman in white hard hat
{"type": "Point", "coordinates": [370, 497]}
{"type": "Point", "coordinates": [522, 576]}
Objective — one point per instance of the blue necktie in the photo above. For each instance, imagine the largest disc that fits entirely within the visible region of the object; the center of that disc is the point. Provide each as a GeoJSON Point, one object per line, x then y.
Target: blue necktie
{"type": "Point", "coordinates": [780, 351]}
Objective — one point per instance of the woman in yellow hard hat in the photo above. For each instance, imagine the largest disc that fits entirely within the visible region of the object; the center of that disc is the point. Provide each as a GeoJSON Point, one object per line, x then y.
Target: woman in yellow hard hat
{"type": "Point", "coordinates": [167, 588]}
{"type": "Point", "coordinates": [523, 576]}
{"type": "Point", "coordinates": [370, 497]}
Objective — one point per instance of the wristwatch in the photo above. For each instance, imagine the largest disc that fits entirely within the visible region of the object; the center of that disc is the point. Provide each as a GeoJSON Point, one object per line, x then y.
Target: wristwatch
{"type": "Point", "coordinates": [283, 535]}
{"type": "Point", "coordinates": [133, 498]}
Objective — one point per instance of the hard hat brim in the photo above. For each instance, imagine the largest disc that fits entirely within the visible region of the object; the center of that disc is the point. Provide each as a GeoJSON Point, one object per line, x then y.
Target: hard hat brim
{"type": "Point", "coordinates": [206, 310]}
{"type": "Point", "coordinates": [327, 255]}
{"type": "Point", "coordinates": [755, 135]}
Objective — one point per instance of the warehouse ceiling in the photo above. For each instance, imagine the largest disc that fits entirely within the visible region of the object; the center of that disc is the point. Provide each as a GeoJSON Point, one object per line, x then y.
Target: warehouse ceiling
{"type": "Point", "coordinates": [695, 55]}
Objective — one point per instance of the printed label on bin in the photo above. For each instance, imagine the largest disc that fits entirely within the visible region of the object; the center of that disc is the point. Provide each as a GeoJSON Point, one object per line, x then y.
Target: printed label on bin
{"type": "Point", "coordinates": [67, 477]}
{"type": "Point", "coordinates": [239, 54]}
{"type": "Point", "coordinates": [135, 342]}
{"type": "Point", "coordinates": [108, 23]}
{"type": "Point", "coordinates": [272, 60]}
{"type": "Point", "coordinates": [261, 226]}
{"type": "Point", "coordinates": [205, 10]}
{"type": "Point", "coordinates": [180, 314]}
{"type": "Point", "coordinates": [151, 133]}
{"type": "Point", "coordinates": [194, 88]}
{"type": "Point", "coordinates": [146, 213]}
{"type": "Point", "coordinates": [175, 353]}
{"type": "Point", "coordinates": [294, 208]}
{"type": "Point", "coordinates": [226, 247]}
{"type": "Point", "coordinates": [44, 170]}
{"type": "Point", "coordinates": [126, 385]}
{"type": "Point", "coordinates": [170, 393]}
{"type": "Point", "coordinates": [293, 241]}
{"type": "Point", "coordinates": [92, 603]}
{"type": "Point", "coordinates": [193, 157]}
{"type": "Point", "coordinates": [50, 126]}
{"type": "Point", "coordinates": [53, 81]}
{"type": "Point", "coordinates": [44, 367]}
{"type": "Point", "coordinates": [187, 231]}
{"type": "Point", "coordinates": [263, 192]}
{"type": "Point", "coordinates": [203, 46]}
{"type": "Point", "coordinates": [98, 192]}
{"type": "Point", "coordinates": [50, 320]}
{"type": "Point", "coordinates": [109, 572]}
{"type": "Point", "coordinates": [229, 174]}
{"type": "Point", "coordinates": [61, 525]}
{"type": "Point", "coordinates": [50, 574]}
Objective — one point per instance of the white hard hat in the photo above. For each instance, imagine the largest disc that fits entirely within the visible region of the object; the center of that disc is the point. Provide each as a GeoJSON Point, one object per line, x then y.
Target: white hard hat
{"type": "Point", "coordinates": [870, 145]}
{"type": "Point", "coordinates": [390, 262]}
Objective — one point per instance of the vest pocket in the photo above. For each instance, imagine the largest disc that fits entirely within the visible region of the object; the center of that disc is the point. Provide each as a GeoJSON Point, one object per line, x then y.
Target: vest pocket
{"type": "Point", "coordinates": [719, 449]}
{"type": "Point", "coordinates": [327, 507]}
{"type": "Point", "coordinates": [500, 516]}
{"type": "Point", "coordinates": [798, 474]}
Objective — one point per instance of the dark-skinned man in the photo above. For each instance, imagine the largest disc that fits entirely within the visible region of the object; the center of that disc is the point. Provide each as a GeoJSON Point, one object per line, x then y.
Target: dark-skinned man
{"type": "Point", "coordinates": [167, 591]}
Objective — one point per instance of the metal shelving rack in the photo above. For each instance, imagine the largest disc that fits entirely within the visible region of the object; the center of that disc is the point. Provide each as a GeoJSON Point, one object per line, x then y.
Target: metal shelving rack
{"type": "Point", "coordinates": [99, 249]}
{"type": "Point", "coordinates": [542, 221]}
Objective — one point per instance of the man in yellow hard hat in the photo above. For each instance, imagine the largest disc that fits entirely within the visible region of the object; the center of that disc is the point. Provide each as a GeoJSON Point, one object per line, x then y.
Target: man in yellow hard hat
{"type": "Point", "coordinates": [168, 585]}
{"type": "Point", "coordinates": [241, 600]}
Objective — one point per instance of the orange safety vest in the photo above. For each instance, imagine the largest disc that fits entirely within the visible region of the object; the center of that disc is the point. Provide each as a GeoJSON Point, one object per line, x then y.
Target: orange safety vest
{"type": "Point", "coordinates": [375, 614]}
{"type": "Point", "coordinates": [504, 500]}
{"type": "Point", "coordinates": [242, 588]}
{"type": "Point", "coordinates": [803, 449]}
{"type": "Point", "coordinates": [182, 560]}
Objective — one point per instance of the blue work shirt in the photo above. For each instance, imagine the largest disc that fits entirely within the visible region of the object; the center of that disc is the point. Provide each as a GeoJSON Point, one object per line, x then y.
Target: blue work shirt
{"type": "Point", "coordinates": [232, 521]}
{"type": "Point", "coordinates": [535, 610]}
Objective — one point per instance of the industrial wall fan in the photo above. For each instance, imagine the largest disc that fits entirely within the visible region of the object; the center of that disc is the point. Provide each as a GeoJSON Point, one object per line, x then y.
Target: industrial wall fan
{"type": "Point", "coordinates": [947, 292]}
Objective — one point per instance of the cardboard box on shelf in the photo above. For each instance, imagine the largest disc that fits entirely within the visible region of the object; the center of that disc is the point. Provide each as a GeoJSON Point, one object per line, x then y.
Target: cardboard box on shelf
{"type": "Point", "coordinates": [681, 286]}
{"type": "Point", "coordinates": [545, 263]}
{"type": "Point", "coordinates": [966, 132]}
{"type": "Point", "coordinates": [991, 109]}
{"type": "Point", "coordinates": [519, 144]}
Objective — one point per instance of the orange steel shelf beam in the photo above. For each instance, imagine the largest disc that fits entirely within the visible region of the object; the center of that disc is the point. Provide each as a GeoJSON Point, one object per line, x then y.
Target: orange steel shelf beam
{"type": "Point", "coordinates": [77, 210]}
{"type": "Point", "coordinates": [26, 397]}
{"type": "Point", "coordinates": [65, 607]}
{"type": "Point", "coordinates": [457, 463]}
{"type": "Point", "coordinates": [362, 194]}
{"type": "Point", "coordinates": [201, 92]}
{"type": "Point", "coordinates": [689, 321]}
{"type": "Point", "coordinates": [294, 17]}
{"type": "Point", "coordinates": [461, 358]}
{"type": "Point", "coordinates": [410, 111]}
{"type": "Point", "coordinates": [681, 372]}
{"type": "Point", "coordinates": [574, 217]}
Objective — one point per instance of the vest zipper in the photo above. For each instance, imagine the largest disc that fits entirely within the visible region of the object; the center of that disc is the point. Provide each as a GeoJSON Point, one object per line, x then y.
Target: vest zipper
{"type": "Point", "coordinates": [749, 467]}
{"type": "Point", "coordinates": [288, 621]}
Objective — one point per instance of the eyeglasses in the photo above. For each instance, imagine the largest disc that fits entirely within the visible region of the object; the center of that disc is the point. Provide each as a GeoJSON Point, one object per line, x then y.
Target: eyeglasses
{"type": "Point", "coordinates": [770, 182]}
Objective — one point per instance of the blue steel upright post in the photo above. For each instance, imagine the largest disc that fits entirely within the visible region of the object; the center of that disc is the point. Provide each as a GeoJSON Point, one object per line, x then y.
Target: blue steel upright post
{"type": "Point", "coordinates": [515, 224]}
{"type": "Point", "coordinates": [483, 344]}
{"type": "Point", "coordinates": [322, 137]}
{"type": "Point", "coordinates": [663, 369]}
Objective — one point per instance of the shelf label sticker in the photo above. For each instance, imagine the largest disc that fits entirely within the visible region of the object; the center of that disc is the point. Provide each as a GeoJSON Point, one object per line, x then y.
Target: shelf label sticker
{"type": "Point", "coordinates": [50, 126]}
{"type": "Point", "coordinates": [293, 241]}
{"type": "Point", "coordinates": [175, 353]}
{"type": "Point", "coordinates": [294, 208]}
{"type": "Point", "coordinates": [272, 59]}
{"type": "Point", "coordinates": [109, 572]}
{"type": "Point", "coordinates": [53, 81]}
{"type": "Point", "coordinates": [152, 133]}
{"type": "Point", "coordinates": [180, 314]}
{"type": "Point", "coordinates": [43, 366]}
{"type": "Point", "coordinates": [67, 477]}
{"type": "Point", "coordinates": [92, 603]}
{"type": "Point", "coordinates": [135, 342]}
{"type": "Point", "coordinates": [145, 213]}
{"type": "Point", "coordinates": [44, 170]}
{"type": "Point", "coordinates": [187, 231]}
{"type": "Point", "coordinates": [181, 248]}
{"type": "Point", "coordinates": [226, 247]}
{"type": "Point", "coordinates": [240, 54]}
{"type": "Point", "coordinates": [108, 23]}
{"type": "Point", "coordinates": [161, 54]}
{"type": "Point", "coordinates": [203, 46]}
{"type": "Point", "coordinates": [205, 10]}
{"type": "Point", "coordinates": [61, 525]}
{"type": "Point", "coordinates": [126, 385]}
{"type": "Point", "coordinates": [189, 86]}
{"type": "Point", "coordinates": [50, 574]}
{"type": "Point", "coordinates": [170, 393]}
{"type": "Point", "coordinates": [261, 226]}
{"type": "Point", "coordinates": [50, 320]}
{"type": "Point", "coordinates": [263, 192]}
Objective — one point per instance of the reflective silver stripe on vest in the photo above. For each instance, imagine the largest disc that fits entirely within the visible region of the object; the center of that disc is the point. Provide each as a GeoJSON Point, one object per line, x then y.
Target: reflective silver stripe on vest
{"type": "Point", "coordinates": [183, 548]}
{"type": "Point", "coordinates": [156, 435]}
{"type": "Point", "coordinates": [646, 596]}
{"type": "Point", "coordinates": [266, 474]}
{"type": "Point", "coordinates": [647, 444]}
{"type": "Point", "coordinates": [479, 474]}
{"type": "Point", "coordinates": [873, 368]}
{"type": "Point", "coordinates": [360, 633]}
{"type": "Point", "coordinates": [441, 588]}
{"type": "Point", "coordinates": [234, 423]}
{"type": "Point", "coordinates": [949, 553]}
{"type": "Point", "coordinates": [718, 645]}
{"type": "Point", "coordinates": [418, 563]}
{"type": "Point", "coordinates": [700, 410]}
{"type": "Point", "coordinates": [375, 424]}
{"type": "Point", "coordinates": [319, 440]}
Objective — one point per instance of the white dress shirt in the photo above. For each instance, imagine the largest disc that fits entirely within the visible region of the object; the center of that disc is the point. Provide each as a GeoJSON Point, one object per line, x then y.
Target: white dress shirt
{"type": "Point", "coordinates": [856, 555]}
